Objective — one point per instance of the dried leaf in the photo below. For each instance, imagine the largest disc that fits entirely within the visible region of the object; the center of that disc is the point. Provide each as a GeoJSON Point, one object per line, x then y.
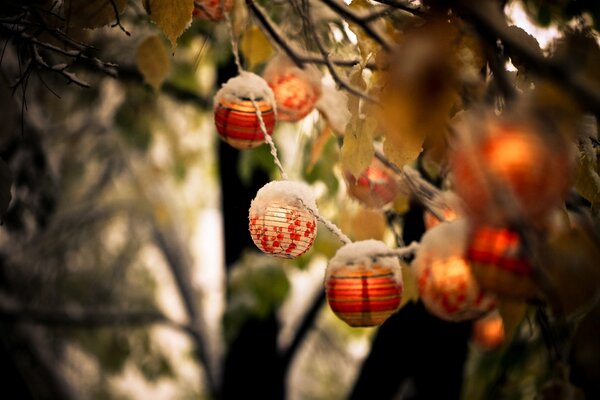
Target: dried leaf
{"type": "Point", "coordinates": [255, 46]}
{"type": "Point", "coordinates": [92, 14]}
{"type": "Point", "coordinates": [172, 16]}
{"type": "Point", "coordinates": [587, 180]}
{"type": "Point", "coordinates": [318, 146]}
{"type": "Point", "coordinates": [153, 61]}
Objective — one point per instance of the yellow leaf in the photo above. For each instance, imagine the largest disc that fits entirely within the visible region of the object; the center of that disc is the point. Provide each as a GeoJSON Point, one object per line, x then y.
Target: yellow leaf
{"type": "Point", "coordinates": [512, 313]}
{"type": "Point", "coordinates": [172, 16]}
{"type": "Point", "coordinates": [92, 14]}
{"type": "Point", "coordinates": [255, 46]}
{"type": "Point", "coordinates": [362, 224]}
{"type": "Point", "coordinates": [358, 150]}
{"type": "Point", "coordinates": [410, 292]}
{"type": "Point", "coordinates": [153, 61]}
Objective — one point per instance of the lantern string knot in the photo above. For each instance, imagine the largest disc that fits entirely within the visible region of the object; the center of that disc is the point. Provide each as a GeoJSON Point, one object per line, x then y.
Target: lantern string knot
{"type": "Point", "coordinates": [268, 139]}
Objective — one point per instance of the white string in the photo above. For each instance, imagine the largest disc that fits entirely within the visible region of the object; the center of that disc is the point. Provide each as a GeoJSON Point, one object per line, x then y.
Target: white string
{"type": "Point", "coordinates": [400, 252]}
{"type": "Point", "coordinates": [328, 224]}
{"type": "Point", "coordinates": [268, 139]}
{"type": "Point", "coordinates": [232, 39]}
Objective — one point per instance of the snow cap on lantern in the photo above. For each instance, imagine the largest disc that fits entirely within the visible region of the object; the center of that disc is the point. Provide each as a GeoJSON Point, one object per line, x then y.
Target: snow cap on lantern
{"type": "Point", "coordinates": [282, 221]}
{"type": "Point", "coordinates": [375, 187]}
{"type": "Point", "coordinates": [213, 10]}
{"type": "Point", "coordinates": [236, 117]}
{"type": "Point", "coordinates": [446, 285]}
{"type": "Point", "coordinates": [505, 169]}
{"type": "Point", "coordinates": [363, 288]}
{"type": "Point", "coordinates": [296, 90]}
{"type": "Point", "coordinates": [499, 263]}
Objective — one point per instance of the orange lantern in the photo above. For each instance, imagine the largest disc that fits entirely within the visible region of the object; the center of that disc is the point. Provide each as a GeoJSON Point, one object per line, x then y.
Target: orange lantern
{"type": "Point", "coordinates": [363, 288]}
{"type": "Point", "coordinates": [375, 187]}
{"type": "Point", "coordinates": [488, 332]}
{"type": "Point", "coordinates": [236, 117]}
{"type": "Point", "coordinates": [282, 222]}
{"type": "Point", "coordinates": [514, 161]}
{"type": "Point", "coordinates": [213, 10]}
{"type": "Point", "coordinates": [498, 263]}
{"type": "Point", "coordinates": [296, 90]}
{"type": "Point", "coordinates": [446, 285]}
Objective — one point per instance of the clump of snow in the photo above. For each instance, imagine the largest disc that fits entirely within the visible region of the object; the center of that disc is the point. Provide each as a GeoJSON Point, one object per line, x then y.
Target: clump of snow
{"type": "Point", "coordinates": [333, 104]}
{"type": "Point", "coordinates": [287, 192]}
{"type": "Point", "coordinates": [245, 86]}
{"type": "Point", "coordinates": [365, 254]}
{"type": "Point", "coordinates": [446, 240]}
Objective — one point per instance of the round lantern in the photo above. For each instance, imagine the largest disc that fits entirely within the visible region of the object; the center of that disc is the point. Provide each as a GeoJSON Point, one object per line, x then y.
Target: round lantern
{"type": "Point", "coordinates": [498, 263]}
{"type": "Point", "coordinates": [296, 90]}
{"type": "Point", "coordinates": [213, 10]}
{"type": "Point", "coordinates": [282, 222]}
{"type": "Point", "coordinates": [236, 117]}
{"type": "Point", "coordinates": [529, 171]}
{"type": "Point", "coordinates": [375, 187]}
{"type": "Point", "coordinates": [488, 332]}
{"type": "Point", "coordinates": [362, 288]}
{"type": "Point", "coordinates": [446, 285]}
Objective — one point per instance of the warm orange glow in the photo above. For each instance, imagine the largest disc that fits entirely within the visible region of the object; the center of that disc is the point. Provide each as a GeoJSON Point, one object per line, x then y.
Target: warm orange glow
{"type": "Point", "coordinates": [488, 332]}
{"type": "Point", "coordinates": [375, 187]}
{"type": "Point", "coordinates": [295, 96]}
{"type": "Point", "coordinates": [432, 221]}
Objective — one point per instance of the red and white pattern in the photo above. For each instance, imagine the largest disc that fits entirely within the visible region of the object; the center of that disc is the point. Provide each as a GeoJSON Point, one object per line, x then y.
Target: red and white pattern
{"type": "Point", "coordinates": [282, 230]}
{"type": "Point", "coordinates": [375, 187]}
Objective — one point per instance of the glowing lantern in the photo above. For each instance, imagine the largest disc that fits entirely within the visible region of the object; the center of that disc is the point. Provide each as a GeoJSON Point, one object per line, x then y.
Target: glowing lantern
{"type": "Point", "coordinates": [362, 288]}
{"type": "Point", "coordinates": [488, 332]}
{"type": "Point", "coordinates": [516, 162]}
{"type": "Point", "coordinates": [375, 187]}
{"type": "Point", "coordinates": [281, 221]}
{"type": "Point", "coordinates": [213, 10]}
{"type": "Point", "coordinates": [498, 262]}
{"type": "Point", "coordinates": [446, 284]}
{"type": "Point", "coordinates": [236, 117]}
{"type": "Point", "coordinates": [296, 90]}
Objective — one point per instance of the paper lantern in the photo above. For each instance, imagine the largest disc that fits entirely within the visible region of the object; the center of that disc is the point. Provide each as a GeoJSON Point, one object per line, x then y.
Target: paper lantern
{"type": "Point", "coordinates": [281, 222]}
{"type": "Point", "coordinates": [296, 90]}
{"type": "Point", "coordinates": [449, 290]}
{"type": "Point", "coordinates": [499, 263]}
{"type": "Point", "coordinates": [236, 117]}
{"type": "Point", "coordinates": [488, 332]}
{"type": "Point", "coordinates": [213, 10]}
{"type": "Point", "coordinates": [363, 289]}
{"type": "Point", "coordinates": [375, 187]}
{"type": "Point", "coordinates": [515, 161]}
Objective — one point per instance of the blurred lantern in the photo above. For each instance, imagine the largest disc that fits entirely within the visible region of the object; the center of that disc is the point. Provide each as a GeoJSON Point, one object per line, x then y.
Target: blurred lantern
{"type": "Point", "coordinates": [296, 90]}
{"type": "Point", "coordinates": [446, 284]}
{"type": "Point", "coordinates": [236, 117]}
{"type": "Point", "coordinates": [488, 332]}
{"type": "Point", "coordinates": [213, 10]}
{"type": "Point", "coordinates": [498, 263]}
{"type": "Point", "coordinates": [281, 221]}
{"type": "Point", "coordinates": [363, 287]}
{"type": "Point", "coordinates": [511, 170]}
{"type": "Point", "coordinates": [375, 187]}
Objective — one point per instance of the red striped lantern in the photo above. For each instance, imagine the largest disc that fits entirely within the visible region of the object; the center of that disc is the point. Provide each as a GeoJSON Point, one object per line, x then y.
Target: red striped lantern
{"type": "Point", "coordinates": [296, 90]}
{"type": "Point", "coordinates": [236, 116]}
{"type": "Point", "coordinates": [514, 160]}
{"type": "Point", "coordinates": [363, 290]}
{"type": "Point", "coordinates": [449, 290]}
{"type": "Point", "coordinates": [498, 262]}
{"type": "Point", "coordinates": [280, 222]}
{"type": "Point", "coordinates": [213, 10]}
{"type": "Point", "coordinates": [375, 187]}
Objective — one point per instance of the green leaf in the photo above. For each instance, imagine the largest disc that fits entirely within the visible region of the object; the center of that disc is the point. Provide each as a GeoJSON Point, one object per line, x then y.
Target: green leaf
{"type": "Point", "coordinates": [173, 17]}
{"type": "Point", "coordinates": [153, 61]}
{"type": "Point", "coordinates": [92, 14]}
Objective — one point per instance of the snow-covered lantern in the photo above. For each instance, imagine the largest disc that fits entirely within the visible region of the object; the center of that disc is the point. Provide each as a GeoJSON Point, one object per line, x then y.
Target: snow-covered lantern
{"type": "Point", "coordinates": [446, 285]}
{"type": "Point", "coordinates": [364, 287]}
{"type": "Point", "coordinates": [511, 165]}
{"type": "Point", "coordinates": [282, 219]}
{"type": "Point", "coordinates": [499, 264]}
{"type": "Point", "coordinates": [213, 10]}
{"type": "Point", "coordinates": [296, 90]}
{"type": "Point", "coordinates": [236, 116]}
{"type": "Point", "coordinates": [488, 332]}
{"type": "Point", "coordinates": [375, 187]}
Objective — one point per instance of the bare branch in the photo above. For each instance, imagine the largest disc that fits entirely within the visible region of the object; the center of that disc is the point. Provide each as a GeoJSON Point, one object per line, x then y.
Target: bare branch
{"type": "Point", "coordinates": [417, 11]}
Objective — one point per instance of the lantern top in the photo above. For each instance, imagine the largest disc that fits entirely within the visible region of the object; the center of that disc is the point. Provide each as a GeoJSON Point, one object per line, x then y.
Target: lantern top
{"type": "Point", "coordinates": [365, 254]}
{"type": "Point", "coordinates": [246, 86]}
{"type": "Point", "coordinates": [282, 65]}
{"type": "Point", "coordinates": [288, 192]}
{"type": "Point", "coordinates": [448, 239]}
